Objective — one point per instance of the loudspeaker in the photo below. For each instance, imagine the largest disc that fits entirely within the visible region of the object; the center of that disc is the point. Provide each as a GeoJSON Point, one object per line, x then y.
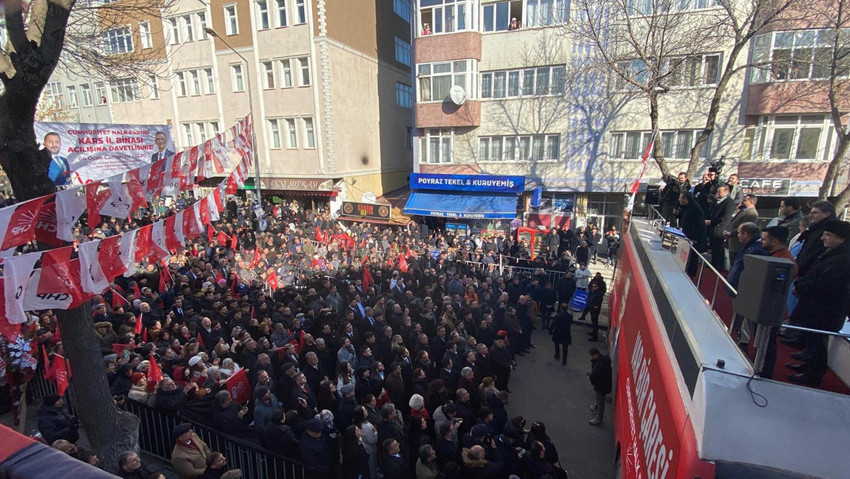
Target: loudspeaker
{"type": "Point", "coordinates": [653, 195]}
{"type": "Point", "coordinates": [763, 289]}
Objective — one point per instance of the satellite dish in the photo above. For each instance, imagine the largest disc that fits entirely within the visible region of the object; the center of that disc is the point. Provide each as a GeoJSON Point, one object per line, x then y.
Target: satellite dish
{"type": "Point", "coordinates": [457, 95]}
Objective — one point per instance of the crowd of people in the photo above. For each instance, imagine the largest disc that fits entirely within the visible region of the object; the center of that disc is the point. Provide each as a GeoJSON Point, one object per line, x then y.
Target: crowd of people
{"type": "Point", "coordinates": [370, 352]}
{"type": "Point", "coordinates": [723, 222]}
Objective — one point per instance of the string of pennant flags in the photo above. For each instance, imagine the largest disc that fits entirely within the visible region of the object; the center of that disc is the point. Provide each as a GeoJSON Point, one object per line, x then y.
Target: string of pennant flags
{"type": "Point", "coordinates": [63, 282]}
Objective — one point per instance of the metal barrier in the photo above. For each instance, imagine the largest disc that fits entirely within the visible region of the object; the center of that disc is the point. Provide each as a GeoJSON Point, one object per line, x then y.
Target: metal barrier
{"type": "Point", "coordinates": [254, 461]}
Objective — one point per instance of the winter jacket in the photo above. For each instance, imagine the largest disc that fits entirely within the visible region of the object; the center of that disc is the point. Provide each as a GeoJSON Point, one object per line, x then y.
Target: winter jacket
{"type": "Point", "coordinates": [190, 462]}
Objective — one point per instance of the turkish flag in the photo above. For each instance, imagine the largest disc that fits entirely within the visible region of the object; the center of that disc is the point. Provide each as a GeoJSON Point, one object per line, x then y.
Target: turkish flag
{"type": "Point", "coordinates": [210, 233]}
{"type": "Point", "coordinates": [239, 387]}
{"type": "Point", "coordinates": [223, 238]}
{"type": "Point", "coordinates": [45, 225]}
{"type": "Point", "coordinates": [256, 257]}
{"type": "Point", "coordinates": [271, 280]}
{"type": "Point", "coordinates": [17, 222]}
{"type": "Point", "coordinates": [154, 372]}
{"type": "Point", "coordinates": [234, 241]}
{"type": "Point", "coordinates": [118, 299]}
{"type": "Point", "coordinates": [219, 205]}
{"type": "Point", "coordinates": [164, 279]}
{"type": "Point", "coordinates": [402, 263]}
{"type": "Point", "coordinates": [61, 275]}
{"type": "Point", "coordinates": [367, 277]}
{"type": "Point", "coordinates": [61, 372]}
{"type": "Point", "coordinates": [319, 235]}
{"type": "Point", "coordinates": [231, 185]}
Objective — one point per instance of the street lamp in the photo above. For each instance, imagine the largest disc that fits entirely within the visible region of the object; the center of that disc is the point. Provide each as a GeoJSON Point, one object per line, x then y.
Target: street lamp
{"type": "Point", "coordinates": [257, 188]}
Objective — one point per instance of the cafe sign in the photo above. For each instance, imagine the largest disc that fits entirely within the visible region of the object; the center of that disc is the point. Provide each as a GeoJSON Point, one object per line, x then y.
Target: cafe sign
{"type": "Point", "coordinates": [766, 186]}
{"type": "Point", "coordinates": [297, 184]}
{"type": "Point", "coordinates": [366, 210]}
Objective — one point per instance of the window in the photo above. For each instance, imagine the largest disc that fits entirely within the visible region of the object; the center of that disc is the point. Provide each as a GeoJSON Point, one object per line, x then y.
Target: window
{"type": "Point", "coordinates": [286, 72]}
{"type": "Point", "coordinates": [118, 40]}
{"type": "Point", "coordinates": [124, 90]}
{"type": "Point", "coordinates": [436, 79]}
{"type": "Point", "coordinates": [302, 11]}
{"type": "Point", "coordinates": [214, 128]}
{"type": "Point", "coordinates": [153, 85]}
{"type": "Point", "coordinates": [145, 34]}
{"type": "Point", "coordinates": [53, 93]}
{"type": "Point", "coordinates": [403, 95]}
{"type": "Point", "coordinates": [202, 132]}
{"type": "Point", "coordinates": [519, 148]}
{"type": "Point", "coordinates": [173, 31]}
{"type": "Point", "coordinates": [231, 22]}
{"type": "Point", "coordinates": [546, 12]}
{"type": "Point", "coordinates": [436, 146]}
{"type": "Point", "coordinates": [187, 133]}
{"type": "Point", "coordinates": [789, 138]}
{"type": "Point", "coordinates": [281, 13]}
{"type": "Point", "coordinates": [309, 135]}
{"type": "Point", "coordinates": [408, 138]}
{"type": "Point", "coordinates": [85, 95]}
{"type": "Point", "coordinates": [210, 81]}
{"type": "Point", "coordinates": [304, 66]}
{"type": "Point", "coordinates": [268, 75]}
{"type": "Point", "coordinates": [497, 16]}
{"type": "Point", "coordinates": [647, 7]}
{"type": "Point", "coordinates": [291, 133]}
{"type": "Point", "coordinates": [445, 16]}
{"type": "Point", "coordinates": [202, 24]}
{"type": "Point", "coordinates": [236, 77]}
{"type": "Point", "coordinates": [693, 71]}
{"type": "Point", "coordinates": [188, 28]}
{"type": "Point", "coordinates": [402, 51]}
{"type": "Point", "coordinates": [73, 101]}
{"type": "Point", "coordinates": [797, 55]}
{"type": "Point", "coordinates": [196, 82]}
{"type": "Point", "coordinates": [182, 89]}
{"type": "Point", "coordinates": [402, 9]}
{"type": "Point", "coordinates": [675, 145]}
{"type": "Point", "coordinates": [529, 82]}
{"type": "Point", "coordinates": [263, 14]}
{"type": "Point", "coordinates": [274, 134]}
{"type": "Point", "coordinates": [100, 89]}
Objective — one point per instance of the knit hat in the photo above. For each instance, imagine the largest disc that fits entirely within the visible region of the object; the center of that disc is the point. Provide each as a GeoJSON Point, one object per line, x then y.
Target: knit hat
{"type": "Point", "coordinates": [194, 360]}
{"type": "Point", "coordinates": [838, 228]}
{"type": "Point", "coordinates": [502, 334]}
{"type": "Point", "coordinates": [346, 389]}
{"type": "Point", "coordinates": [314, 425]}
{"type": "Point", "coordinates": [136, 376]}
{"type": "Point", "coordinates": [416, 401]}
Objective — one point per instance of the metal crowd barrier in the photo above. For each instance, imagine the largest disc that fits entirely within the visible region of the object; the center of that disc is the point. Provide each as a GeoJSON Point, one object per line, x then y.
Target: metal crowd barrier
{"type": "Point", "coordinates": [254, 461]}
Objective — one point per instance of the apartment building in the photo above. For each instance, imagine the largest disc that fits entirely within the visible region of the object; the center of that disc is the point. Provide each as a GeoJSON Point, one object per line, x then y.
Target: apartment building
{"type": "Point", "coordinates": [501, 92]}
{"type": "Point", "coordinates": [330, 85]}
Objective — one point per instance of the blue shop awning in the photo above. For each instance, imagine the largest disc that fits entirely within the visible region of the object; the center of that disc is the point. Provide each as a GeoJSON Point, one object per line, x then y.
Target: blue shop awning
{"type": "Point", "coordinates": [462, 205]}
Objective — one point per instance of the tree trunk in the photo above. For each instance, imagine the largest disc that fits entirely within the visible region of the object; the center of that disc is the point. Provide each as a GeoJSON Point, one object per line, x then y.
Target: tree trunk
{"type": "Point", "coordinates": [110, 431]}
{"type": "Point", "coordinates": [656, 148]}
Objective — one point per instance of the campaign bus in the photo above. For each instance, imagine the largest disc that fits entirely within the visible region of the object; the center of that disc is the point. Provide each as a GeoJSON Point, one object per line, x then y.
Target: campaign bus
{"type": "Point", "coordinates": [687, 403]}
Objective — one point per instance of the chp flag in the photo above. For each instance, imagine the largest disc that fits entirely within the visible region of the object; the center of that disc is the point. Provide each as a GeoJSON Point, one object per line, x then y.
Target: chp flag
{"type": "Point", "coordinates": [239, 387]}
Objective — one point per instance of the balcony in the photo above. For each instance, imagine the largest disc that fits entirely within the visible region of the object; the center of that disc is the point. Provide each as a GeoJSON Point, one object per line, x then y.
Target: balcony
{"type": "Point", "coordinates": [456, 46]}
{"type": "Point", "coordinates": [448, 115]}
{"type": "Point", "coordinates": [792, 97]}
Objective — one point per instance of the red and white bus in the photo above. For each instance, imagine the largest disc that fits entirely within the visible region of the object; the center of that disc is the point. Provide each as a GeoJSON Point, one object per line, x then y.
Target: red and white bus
{"type": "Point", "coordinates": [686, 401]}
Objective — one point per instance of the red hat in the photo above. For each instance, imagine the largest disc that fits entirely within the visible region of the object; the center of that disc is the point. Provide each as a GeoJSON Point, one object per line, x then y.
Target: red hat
{"type": "Point", "coordinates": [136, 376]}
{"type": "Point", "coordinates": [502, 334]}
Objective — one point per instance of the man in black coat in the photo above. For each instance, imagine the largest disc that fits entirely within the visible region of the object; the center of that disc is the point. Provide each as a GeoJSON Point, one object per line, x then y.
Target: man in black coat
{"type": "Point", "coordinates": [393, 465]}
{"type": "Point", "coordinates": [601, 377]}
{"type": "Point", "coordinates": [500, 360]}
{"type": "Point", "coordinates": [560, 331]}
{"type": "Point", "coordinates": [822, 213]}
{"type": "Point", "coordinates": [692, 223]}
{"type": "Point", "coordinates": [54, 422]}
{"type": "Point", "coordinates": [824, 300]}
{"type": "Point", "coordinates": [719, 217]}
{"type": "Point", "coordinates": [315, 451]}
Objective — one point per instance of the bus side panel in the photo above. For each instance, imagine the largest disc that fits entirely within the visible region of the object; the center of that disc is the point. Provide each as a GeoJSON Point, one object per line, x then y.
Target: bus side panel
{"type": "Point", "coordinates": [649, 412]}
{"type": "Point", "coordinates": [689, 464]}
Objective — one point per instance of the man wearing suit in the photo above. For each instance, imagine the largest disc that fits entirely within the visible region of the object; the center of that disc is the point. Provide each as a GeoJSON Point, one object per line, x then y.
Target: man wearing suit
{"type": "Point", "coordinates": [719, 216]}
{"type": "Point", "coordinates": [735, 190]}
{"type": "Point", "coordinates": [393, 465]}
{"type": "Point", "coordinates": [747, 214]}
{"type": "Point", "coordinates": [59, 167]}
{"type": "Point", "coordinates": [161, 152]}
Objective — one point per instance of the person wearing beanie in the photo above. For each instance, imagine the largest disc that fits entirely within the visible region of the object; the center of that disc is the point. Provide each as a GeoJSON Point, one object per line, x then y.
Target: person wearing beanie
{"type": "Point", "coordinates": [139, 389]}
{"type": "Point", "coordinates": [315, 451]}
{"type": "Point", "coordinates": [190, 453]}
{"type": "Point", "coordinates": [54, 422]}
{"type": "Point", "coordinates": [500, 360]}
{"type": "Point", "coordinates": [823, 301]}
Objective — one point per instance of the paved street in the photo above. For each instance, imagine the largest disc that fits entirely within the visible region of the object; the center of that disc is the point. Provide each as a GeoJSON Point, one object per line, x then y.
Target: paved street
{"type": "Point", "coordinates": [560, 396]}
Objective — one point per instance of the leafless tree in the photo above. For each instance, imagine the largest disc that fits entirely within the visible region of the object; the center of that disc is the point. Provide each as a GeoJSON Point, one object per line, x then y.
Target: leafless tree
{"type": "Point", "coordinates": [38, 33]}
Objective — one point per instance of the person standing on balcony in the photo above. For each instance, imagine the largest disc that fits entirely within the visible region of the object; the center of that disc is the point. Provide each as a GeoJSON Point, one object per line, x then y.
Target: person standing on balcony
{"type": "Point", "coordinates": [719, 218]}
